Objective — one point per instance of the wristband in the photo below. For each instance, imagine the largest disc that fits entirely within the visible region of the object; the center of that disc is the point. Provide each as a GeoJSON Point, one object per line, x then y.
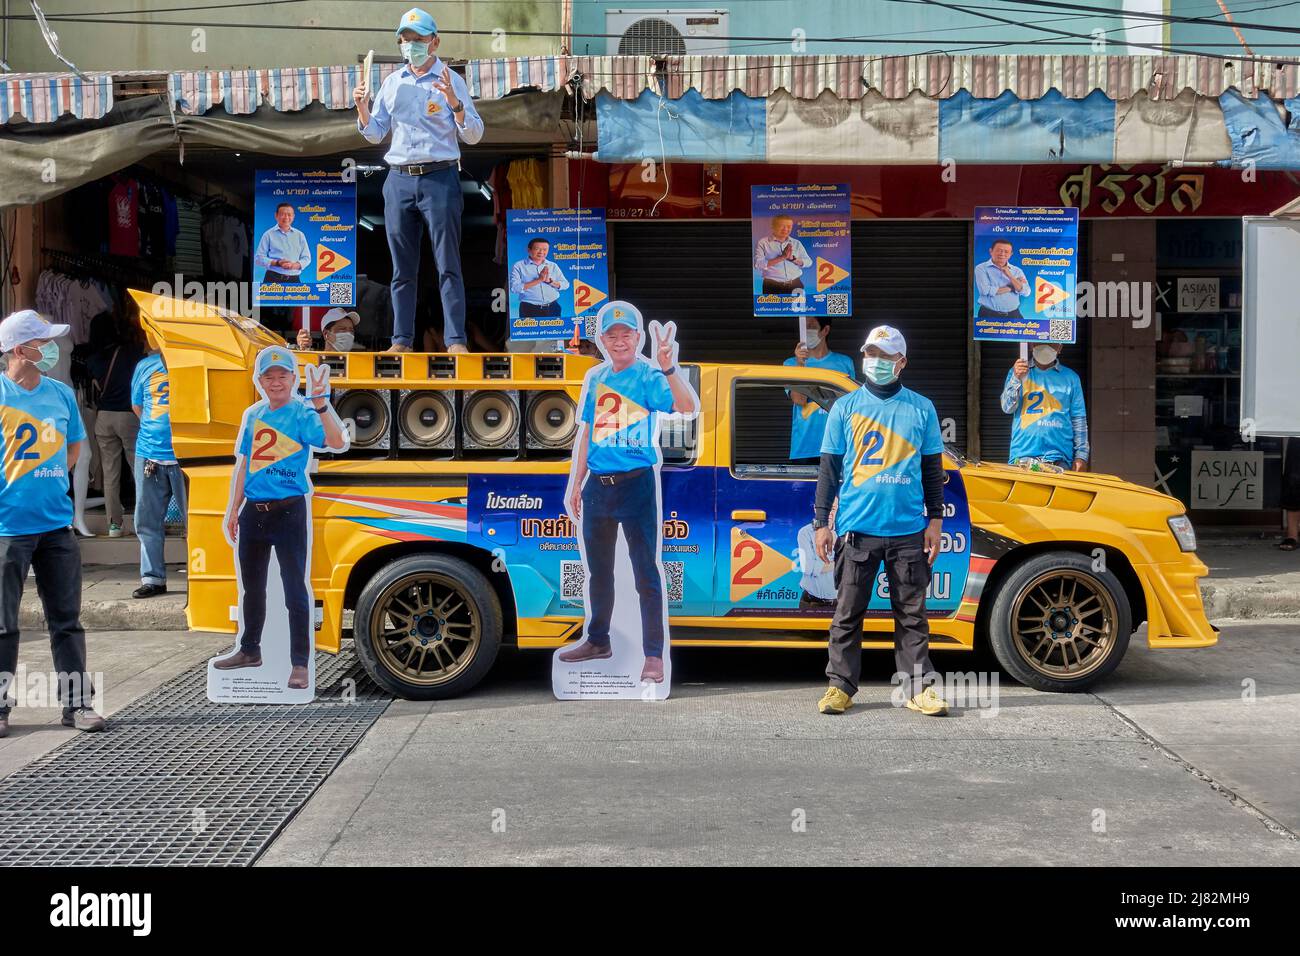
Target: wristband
{"type": "Point", "coordinates": [323, 409]}
{"type": "Point", "coordinates": [668, 371]}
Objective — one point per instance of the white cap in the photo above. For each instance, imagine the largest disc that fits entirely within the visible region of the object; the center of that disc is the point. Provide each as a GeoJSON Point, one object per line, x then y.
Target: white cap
{"type": "Point", "coordinates": [26, 326]}
{"type": "Point", "coordinates": [337, 315]}
{"type": "Point", "coordinates": [886, 338]}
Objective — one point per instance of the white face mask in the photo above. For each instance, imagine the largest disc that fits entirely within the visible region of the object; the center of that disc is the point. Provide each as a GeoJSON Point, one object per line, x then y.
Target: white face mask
{"type": "Point", "coordinates": [812, 339]}
{"type": "Point", "coordinates": [343, 341]}
{"type": "Point", "coordinates": [1044, 354]}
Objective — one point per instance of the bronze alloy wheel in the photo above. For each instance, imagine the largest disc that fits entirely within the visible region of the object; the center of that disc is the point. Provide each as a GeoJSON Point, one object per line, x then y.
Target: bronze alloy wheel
{"type": "Point", "coordinates": [1064, 624]}
{"type": "Point", "coordinates": [425, 629]}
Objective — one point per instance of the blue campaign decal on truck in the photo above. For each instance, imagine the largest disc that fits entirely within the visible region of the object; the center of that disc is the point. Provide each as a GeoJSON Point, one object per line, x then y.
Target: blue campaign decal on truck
{"type": "Point", "coordinates": [304, 238]}
{"type": "Point", "coordinates": [521, 520]}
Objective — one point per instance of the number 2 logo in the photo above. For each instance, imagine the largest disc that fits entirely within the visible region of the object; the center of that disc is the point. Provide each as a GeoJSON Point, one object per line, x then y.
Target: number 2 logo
{"type": "Point", "coordinates": [267, 437]}
{"type": "Point", "coordinates": [1034, 403]}
{"type": "Point", "coordinates": [824, 273]}
{"type": "Point", "coordinates": [607, 408]}
{"type": "Point", "coordinates": [25, 436]}
{"type": "Point", "coordinates": [873, 441]}
{"type": "Point", "coordinates": [582, 296]}
{"type": "Point", "coordinates": [741, 574]}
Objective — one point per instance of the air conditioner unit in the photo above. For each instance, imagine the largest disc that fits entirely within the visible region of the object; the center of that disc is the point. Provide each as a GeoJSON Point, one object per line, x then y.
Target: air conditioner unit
{"type": "Point", "coordinates": [647, 32]}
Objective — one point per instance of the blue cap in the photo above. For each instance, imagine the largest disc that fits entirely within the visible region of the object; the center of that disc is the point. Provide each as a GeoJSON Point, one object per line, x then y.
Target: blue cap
{"type": "Point", "coordinates": [418, 21]}
{"type": "Point", "coordinates": [618, 313]}
{"type": "Point", "coordinates": [275, 356]}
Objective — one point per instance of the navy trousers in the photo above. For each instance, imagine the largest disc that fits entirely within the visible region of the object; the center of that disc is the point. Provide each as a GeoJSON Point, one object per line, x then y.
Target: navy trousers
{"type": "Point", "coordinates": [411, 205]}
{"type": "Point", "coordinates": [285, 530]}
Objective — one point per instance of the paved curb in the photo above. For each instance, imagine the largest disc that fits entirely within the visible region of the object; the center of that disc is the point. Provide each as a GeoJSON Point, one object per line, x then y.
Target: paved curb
{"type": "Point", "coordinates": [1244, 598]}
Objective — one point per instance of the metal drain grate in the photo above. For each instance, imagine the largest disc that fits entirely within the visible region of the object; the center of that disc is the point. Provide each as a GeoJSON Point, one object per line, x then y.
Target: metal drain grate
{"type": "Point", "coordinates": [178, 780]}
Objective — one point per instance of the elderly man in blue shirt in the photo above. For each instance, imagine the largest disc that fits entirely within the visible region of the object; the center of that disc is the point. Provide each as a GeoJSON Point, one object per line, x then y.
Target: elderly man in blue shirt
{"type": "Point", "coordinates": [282, 251]}
{"type": "Point", "coordinates": [427, 109]}
{"type": "Point", "coordinates": [1001, 285]}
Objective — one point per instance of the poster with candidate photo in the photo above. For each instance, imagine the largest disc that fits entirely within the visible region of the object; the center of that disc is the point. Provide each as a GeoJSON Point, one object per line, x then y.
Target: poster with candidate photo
{"type": "Point", "coordinates": [558, 270]}
{"type": "Point", "coordinates": [1026, 265]}
{"type": "Point", "coordinates": [304, 238]}
{"type": "Point", "coordinates": [802, 249]}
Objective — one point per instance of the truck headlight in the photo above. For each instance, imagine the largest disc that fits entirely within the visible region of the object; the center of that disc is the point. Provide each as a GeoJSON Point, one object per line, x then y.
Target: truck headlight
{"type": "Point", "coordinates": [1183, 531]}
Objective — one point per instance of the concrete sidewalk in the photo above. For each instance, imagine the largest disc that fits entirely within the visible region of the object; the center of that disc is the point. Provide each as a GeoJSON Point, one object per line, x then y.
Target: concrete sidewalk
{"type": "Point", "coordinates": [1249, 578]}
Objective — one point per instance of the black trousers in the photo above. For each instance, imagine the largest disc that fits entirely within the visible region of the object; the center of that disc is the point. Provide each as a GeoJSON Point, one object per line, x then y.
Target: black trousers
{"type": "Point", "coordinates": [56, 559]}
{"type": "Point", "coordinates": [781, 286]}
{"type": "Point", "coordinates": [528, 310]}
{"type": "Point", "coordinates": [283, 528]}
{"type": "Point", "coordinates": [857, 561]}
{"type": "Point", "coordinates": [987, 313]}
{"type": "Point", "coordinates": [273, 276]}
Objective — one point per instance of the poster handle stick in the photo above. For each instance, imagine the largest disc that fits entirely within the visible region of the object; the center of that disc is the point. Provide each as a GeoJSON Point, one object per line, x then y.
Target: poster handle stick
{"type": "Point", "coordinates": [1024, 351]}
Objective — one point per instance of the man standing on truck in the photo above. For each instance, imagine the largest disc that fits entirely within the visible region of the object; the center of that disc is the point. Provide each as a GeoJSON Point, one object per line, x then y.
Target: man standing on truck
{"type": "Point", "coordinates": [269, 502]}
{"type": "Point", "coordinates": [883, 456]}
{"type": "Point", "coordinates": [614, 480]}
{"type": "Point", "coordinates": [429, 111]}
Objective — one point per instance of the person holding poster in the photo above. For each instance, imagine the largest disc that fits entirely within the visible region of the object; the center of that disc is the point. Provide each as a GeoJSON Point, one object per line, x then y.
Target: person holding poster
{"type": "Point", "coordinates": [614, 479]}
{"type": "Point", "coordinates": [1001, 285]}
{"type": "Point", "coordinates": [809, 418]}
{"type": "Point", "coordinates": [338, 328]}
{"type": "Point", "coordinates": [781, 259]}
{"type": "Point", "coordinates": [282, 251]}
{"type": "Point", "coordinates": [269, 506]}
{"type": "Point", "coordinates": [428, 109]}
{"type": "Point", "coordinates": [537, 281]}
{"type": "Point", "coordinates": [1050, 419]}
{"type": "Point", "coordinates": [883, 457]}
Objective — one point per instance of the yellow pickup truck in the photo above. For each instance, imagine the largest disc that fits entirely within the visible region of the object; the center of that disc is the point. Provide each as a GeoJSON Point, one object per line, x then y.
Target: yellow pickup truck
{"type": "Point", "coordinates": [441, 533]}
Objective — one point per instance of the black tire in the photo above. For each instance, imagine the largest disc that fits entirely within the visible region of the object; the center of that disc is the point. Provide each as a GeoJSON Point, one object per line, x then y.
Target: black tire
{"type": "Point", "coordinates": [1087, 619]}
{"type": "Point", "coordinates": [453, 614]}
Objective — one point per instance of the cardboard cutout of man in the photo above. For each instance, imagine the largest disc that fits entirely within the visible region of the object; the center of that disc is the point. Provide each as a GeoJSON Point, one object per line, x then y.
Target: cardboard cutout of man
{"type": "Point", "coordinates": [614, 485]}
{"type": "Point", "coordinates": [269, 516]}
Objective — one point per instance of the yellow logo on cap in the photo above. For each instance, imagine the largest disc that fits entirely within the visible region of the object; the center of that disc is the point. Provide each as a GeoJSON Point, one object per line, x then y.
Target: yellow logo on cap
{"type": "Point", "coordinates": [881, 334]}
{"type": "Point", "coordinates": [618, 313]}
{"type": "Point", "coordinates": [411, 17]}
{"type": "Point", "coordinates": [276, 356]}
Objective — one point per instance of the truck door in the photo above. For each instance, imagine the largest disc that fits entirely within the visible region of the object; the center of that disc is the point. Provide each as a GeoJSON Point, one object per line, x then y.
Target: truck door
{"type": "Point", "coordinates": [687, 550]}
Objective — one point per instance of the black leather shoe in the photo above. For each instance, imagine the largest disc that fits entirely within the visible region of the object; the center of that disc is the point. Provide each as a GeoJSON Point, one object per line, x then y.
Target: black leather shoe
{"type": "Point", "coordinates": [149, 590]}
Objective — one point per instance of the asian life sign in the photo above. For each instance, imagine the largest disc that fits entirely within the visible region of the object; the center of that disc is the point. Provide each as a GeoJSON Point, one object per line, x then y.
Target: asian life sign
{"type": "Point", "coordinates": [304, 237]}
{"type": "Point", "coordinates": [559, 270]}
{"type": "Point", "coordinates": [1026, 267]}
{"type": "Point", "coordinates": [802, 249]}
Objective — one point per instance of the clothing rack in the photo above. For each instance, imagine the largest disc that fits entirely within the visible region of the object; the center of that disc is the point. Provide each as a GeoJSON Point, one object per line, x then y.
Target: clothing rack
{"type": "Point", "coordinates": [121, 271]}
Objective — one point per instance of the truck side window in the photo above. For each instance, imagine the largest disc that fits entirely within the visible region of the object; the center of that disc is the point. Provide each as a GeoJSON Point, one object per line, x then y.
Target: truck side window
{"type": "Point", "coordinates": [678, 438]}
{"type": "Point", "coordinates": [761, 438]}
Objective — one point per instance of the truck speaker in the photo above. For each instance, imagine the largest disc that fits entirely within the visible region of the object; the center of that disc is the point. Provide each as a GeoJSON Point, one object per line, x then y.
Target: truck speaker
{"type": "Point", "coordinates": [366, 415]}
{"type": "Point", "coordinates": [552, 420]}
{"type": "Point", "coordinates": [490, 421]}
{"type": "Point", "coordinates": [426, 419]}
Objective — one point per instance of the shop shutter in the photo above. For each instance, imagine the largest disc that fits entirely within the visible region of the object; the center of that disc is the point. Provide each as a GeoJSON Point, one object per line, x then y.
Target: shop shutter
{"type": "Point", "coordinates": [909, 274]}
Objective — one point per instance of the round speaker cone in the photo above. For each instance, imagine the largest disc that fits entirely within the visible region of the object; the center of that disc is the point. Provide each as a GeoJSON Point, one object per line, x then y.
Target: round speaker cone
{"type": "Point", "coordinates": [426, 418]}
{"type": "Point", "coordinates": [552, 420]}
{"type": "Point", "coordinates": [490, 420]}
{"type": "Point", "coordinates": [369, 415]}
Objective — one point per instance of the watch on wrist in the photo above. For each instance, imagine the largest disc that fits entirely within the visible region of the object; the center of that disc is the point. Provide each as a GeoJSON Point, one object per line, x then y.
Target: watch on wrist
{"type": "Point", "coordinates": [819, 523]}
{"type": "Point", "coordinates": [323, 408]}
{"type": "Point", "coordinates": [458, 108]}
{"type": "Point", "coordinates": [669, 371]}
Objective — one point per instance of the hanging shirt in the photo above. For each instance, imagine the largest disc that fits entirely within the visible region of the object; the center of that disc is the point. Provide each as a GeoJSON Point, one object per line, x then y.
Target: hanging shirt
{"type": "Point", "coordinates": [276, 448]}
{"type": "Point", "coordinates": [882, 441]}
{"type": "Point", "coordinates": [619, 410]}
{"type": "Point", "coordinates": [276, 243]}
{"type": "Point", "coordinates": [35, 427]}
{"type": "Point", "coordinates": [124, 219]}
{"type": "Point", "coordinates": [424, 128]}
{"type": "Point", "coordinates": [1047, 410]}
{"type": "Point", "coordinates": [525, 270]}
{"type": "Point", "coordinates": [809, 422]}
{"type": "Point", "coordinates": [151, 390]}
{"type": "Point", "coordinates": [787, 269]}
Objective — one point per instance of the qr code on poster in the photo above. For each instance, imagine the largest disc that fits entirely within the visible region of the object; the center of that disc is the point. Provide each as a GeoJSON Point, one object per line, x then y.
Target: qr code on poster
{"type": "Point", "coordinates": [1060, 330]}
{"type": "Point", "coordinates": [837, 303]}
{"type": "Point", "coordinates": [340, 293]}
{"type": "Point", "coordinates": [572, 576]}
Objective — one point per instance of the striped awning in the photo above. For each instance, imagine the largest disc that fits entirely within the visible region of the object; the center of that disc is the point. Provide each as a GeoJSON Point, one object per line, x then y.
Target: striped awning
{"type": "Point", "coordinates": [44, 97]}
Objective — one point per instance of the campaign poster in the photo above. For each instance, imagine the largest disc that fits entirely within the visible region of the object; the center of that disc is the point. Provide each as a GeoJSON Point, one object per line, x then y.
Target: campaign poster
{"type": "Point", "coordinates": [614, 499]}
{"type": "Point", "coordinates": [559, 270]}
{"type": "Point", "coordinates": [1026, 266]}
{"type": "Point", "coordinates": [802, 249]}
{"type": "Point", "coordinates": [268, 523]}
{"type": "Point", "coordinates": [304, 238]}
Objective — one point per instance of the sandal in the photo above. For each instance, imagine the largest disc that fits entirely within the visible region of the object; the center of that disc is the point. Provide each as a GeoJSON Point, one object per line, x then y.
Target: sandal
{"type": "Point", "coordinates": [1287, 544]}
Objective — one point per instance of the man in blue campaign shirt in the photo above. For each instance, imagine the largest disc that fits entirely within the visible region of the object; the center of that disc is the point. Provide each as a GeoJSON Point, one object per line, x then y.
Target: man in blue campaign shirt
{"type": "Point", "coordinates": [1049, 418]}
{"type": "Point", "coordinates": [883, 456]}
{"type": "Point", "coordinates": [809, 418]}
{"type": "Point", "coordinates": [42, 437]}
{"type": "Point", "coordinates": [429, 111]}
{"type": "Point", "coordinates": [158, 477]}
{"type": "Point", "coordinates": [268, 505]}
{"type": "Point", "coordinates": [613, 482]}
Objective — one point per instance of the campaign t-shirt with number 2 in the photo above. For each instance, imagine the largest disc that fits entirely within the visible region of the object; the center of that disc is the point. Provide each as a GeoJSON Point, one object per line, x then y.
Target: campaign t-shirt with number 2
{"type": "Point", "coordinates": [619, 411]}
{"type": "Point", "coordinates": [809, 420]}
{"type": "Point", "coordinates": [276, 445]}
{"type": "Point", "coordinates": [882, 441]}
{"type": "Point", "coordinates": [1041, 425]}
{"type": "Point", "coordinates": [151, 390]}
{"type": "Point", "coordinates": [35, 428]}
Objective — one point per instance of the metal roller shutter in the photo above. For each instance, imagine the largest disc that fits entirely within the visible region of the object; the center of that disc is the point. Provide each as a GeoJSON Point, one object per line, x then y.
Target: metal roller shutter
{"type": "Point", "coordinates": [909, 274]}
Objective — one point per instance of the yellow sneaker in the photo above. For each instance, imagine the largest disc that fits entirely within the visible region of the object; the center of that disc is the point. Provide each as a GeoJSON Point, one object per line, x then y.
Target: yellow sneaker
{"type": "Point", "coordinates": [929, 703]}
{"type": "Point", "coordinates": [834, 701]}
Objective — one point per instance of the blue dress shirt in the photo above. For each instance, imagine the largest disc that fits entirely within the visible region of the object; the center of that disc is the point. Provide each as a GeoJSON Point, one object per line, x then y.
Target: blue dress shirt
{"type": "Point", "coordinates": [525, 270]}
{"type": "Point", "coordinates": [278, 244]}
{"type": "Point", "coordinates": [423, 126]}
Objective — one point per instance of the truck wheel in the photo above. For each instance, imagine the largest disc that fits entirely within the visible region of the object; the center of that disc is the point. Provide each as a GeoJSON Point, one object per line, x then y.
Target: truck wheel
{"type": "Point", "coordinates": [427, 627]}
{"type": "Point", "coordinates": [1059, 625]}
